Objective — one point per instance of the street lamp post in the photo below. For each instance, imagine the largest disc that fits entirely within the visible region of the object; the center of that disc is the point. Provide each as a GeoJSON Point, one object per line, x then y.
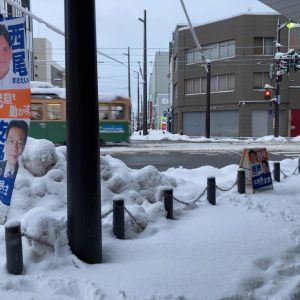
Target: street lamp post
{"type": "Point", "coordinates": [145, 132]}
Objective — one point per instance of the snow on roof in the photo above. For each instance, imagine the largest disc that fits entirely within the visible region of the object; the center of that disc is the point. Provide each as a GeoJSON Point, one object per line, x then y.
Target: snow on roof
{"type": "Point", "coordinates": [46, 88]}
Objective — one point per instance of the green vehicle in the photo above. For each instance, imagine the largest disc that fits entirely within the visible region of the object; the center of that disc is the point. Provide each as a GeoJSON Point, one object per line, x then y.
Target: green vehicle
{"type": "Point", "coordinates": [114, 119]}
{"type": "Point", "coordinates": [48, 119]}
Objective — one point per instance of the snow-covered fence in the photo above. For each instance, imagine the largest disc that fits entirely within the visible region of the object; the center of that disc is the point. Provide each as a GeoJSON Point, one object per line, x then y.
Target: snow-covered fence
{"type": "Point", "coordinates": [167, 197]}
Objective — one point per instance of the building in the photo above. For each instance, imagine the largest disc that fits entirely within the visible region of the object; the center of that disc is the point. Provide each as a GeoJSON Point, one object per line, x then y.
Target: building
{"type": "Point", "coordinates": [6, 10]}
{"type": "Point", "coordinates": [159, 88]}
{"type": "Point", "coordinates": [42, 52]}
{"type": "Point", "coordinates": [58, 76]}
{"type": "Point", "coordinates": [241, 50]}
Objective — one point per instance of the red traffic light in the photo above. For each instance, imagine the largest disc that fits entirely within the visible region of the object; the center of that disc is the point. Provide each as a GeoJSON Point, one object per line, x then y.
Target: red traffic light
{"type": "Point", "coordinates": [267, 95]}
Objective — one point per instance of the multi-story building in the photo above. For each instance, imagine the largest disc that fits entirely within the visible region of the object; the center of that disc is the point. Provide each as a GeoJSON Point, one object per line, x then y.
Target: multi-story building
{"type": "Point", "coordinates": [241, 50]}
{"type": "Point", "coordinates": [158, 88]}
{"type": "Point", "coordinates": [42, 52]}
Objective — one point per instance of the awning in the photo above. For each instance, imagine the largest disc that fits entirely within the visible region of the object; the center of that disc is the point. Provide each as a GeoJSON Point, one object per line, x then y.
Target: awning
{"type": "Point", "coordinates": [288, 8]}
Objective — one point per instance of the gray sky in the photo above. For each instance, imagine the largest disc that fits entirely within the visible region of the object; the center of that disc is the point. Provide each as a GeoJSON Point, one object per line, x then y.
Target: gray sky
{"type": "Point", "coordinates": [118, 28]}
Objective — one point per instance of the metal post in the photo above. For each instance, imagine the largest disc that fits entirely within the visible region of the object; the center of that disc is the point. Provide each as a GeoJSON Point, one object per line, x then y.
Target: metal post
{"type": "Point", "coordinates": [129, 87]}
{"type": "Point", "coordinates": [277, 89]}
{"type": "Point", "coordinates": [299, 165]}
{"type": "Point", "coordinates": [207, 116]}
{"type": "Point", "coordinates": [241, 181]}
{"type": "Point", "coordinates": [145, 131]}
{"type": "Point", "coordinates": [211, 190]}
{"type": "Point", "coordinates": [277, 171]}
{"type": "Point", "coordinates": [118, 218]}
{"type": "Point", "coordinates": [168, 201]}
{"type": "Point", "coordinates": [138, 103]}
{"type": "Point", "coordinates": [14, 254]}
{"type": "Point", "coordinates": [83, 159]}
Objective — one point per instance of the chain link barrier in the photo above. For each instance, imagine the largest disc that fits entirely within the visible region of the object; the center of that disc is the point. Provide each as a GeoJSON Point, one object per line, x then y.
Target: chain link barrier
{"type": "Point", "coordinates": [134, 219]}
{"type": "Point", "coordinates": [284, 175]}
{"type": "Point", "coordinates": [192, 202]}
{"type": "Point", "coordinates": [297, 168]}
{"type": "Point", "coordinates": [33, 239]}
{"type": "Point", "coordinates": [107, 213]}
{"type": "Point", "coordinates": [228, 189]}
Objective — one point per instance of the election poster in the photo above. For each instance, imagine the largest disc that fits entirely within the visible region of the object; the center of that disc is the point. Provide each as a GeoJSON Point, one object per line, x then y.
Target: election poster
{"type": "Point", "coordinates": [14, 105]}
{"type": "Point", "coordinates": [255, 162]}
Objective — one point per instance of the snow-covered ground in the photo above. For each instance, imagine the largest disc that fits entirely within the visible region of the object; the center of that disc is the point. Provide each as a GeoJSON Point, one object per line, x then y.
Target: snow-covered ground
{"type": "Point", "coordinates": [245, 247]}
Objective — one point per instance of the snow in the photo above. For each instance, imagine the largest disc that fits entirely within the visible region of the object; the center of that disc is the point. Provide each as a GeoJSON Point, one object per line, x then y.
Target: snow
{"type": "Point", "coordinates": [247, 246]}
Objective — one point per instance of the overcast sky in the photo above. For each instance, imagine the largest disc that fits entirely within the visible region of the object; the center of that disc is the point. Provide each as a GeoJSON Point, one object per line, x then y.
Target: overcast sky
{"type": "Point", "coordinates": [118, 28]}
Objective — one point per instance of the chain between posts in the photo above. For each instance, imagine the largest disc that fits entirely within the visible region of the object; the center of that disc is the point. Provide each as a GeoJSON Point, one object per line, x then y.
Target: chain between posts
{"type": "Point", "coordinates": [192, 202]}
{"type": "Point", "coordinates": [128, 212]}
{"type": "Point", "coordinates": [133, 218]}
{"type": "Point", "coordinates": [107, 213]}
{"type": "Point", "coordinates": [226, 190]}
{"type": "Point", "coordinates": [33, 239]}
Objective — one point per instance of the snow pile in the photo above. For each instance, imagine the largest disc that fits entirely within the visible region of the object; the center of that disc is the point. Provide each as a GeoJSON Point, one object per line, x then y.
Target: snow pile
{"type": "Point", "coordinates": [245, 247]}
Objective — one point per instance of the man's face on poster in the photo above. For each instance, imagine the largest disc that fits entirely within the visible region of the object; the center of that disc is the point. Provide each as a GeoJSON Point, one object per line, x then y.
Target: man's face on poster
{"type": "Point", "coordinates": [5, 57]}
{"type": "Point", "coordinates": [14, 144]}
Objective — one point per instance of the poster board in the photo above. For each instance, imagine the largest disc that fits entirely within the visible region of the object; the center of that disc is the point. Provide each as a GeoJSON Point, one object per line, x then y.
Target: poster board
{"type": "Point", "coordinates": [255, 162]}
{"type": "Point", "coordinates": [14, 105]}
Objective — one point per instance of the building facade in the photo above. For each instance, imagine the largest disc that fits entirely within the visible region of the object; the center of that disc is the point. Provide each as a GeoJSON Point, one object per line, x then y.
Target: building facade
{"type": "Point", "coordinates": [241, 50]}
{"type": "Point", "coordinates": [159, 88]}
{"type": "Point", "coordinates": [42, 52]}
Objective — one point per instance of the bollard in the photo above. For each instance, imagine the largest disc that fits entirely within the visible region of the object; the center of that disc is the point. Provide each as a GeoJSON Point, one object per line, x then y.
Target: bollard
{"type": "Point", "coordinates": [13, 241]}
{"type": "Point", "coordinates": [118, 218]}
{"type": "Point", "coordinates": [168, 200]}
{"type": "Point", "coordinates": [211, 190]}
{"type": "Point", "coordinates": [277, 171]}
{"type": "Point", "coordinates": [241, 181]}
{"type": "Point", "coordinates": [299, 165]}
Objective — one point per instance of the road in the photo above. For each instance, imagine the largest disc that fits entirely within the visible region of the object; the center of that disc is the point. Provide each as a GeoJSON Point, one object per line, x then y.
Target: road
{"type": "Point", "coordinates": [164, 155]}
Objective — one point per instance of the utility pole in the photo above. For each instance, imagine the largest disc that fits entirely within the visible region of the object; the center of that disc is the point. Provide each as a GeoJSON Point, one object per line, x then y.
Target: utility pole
{"type": "Point", "coordinates": [83, 154]}
{"type": "Point", "coordinates": [145, 131]}
{"type": "Point", "coordinates": [207, 69]}
{"type": "Point", "coordinates": [138, 100]}
{"type": "Point", "coordinates": [128, 64]}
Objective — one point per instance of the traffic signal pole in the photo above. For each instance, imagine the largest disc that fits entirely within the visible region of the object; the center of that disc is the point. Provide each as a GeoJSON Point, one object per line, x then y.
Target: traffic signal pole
{"type": "Point", "coordinates": [277, 88]}
{"type": "Point", "coordinates": [83, 153]}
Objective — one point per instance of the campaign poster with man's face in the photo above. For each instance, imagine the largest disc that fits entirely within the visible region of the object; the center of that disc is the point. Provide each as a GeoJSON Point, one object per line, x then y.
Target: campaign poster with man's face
{"type": "Point", "coordinates": [14, 104]}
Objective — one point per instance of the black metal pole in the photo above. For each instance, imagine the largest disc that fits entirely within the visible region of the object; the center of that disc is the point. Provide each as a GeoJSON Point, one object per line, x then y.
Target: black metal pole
{"type": "Point", "coordinates": [118, 219]}
{"type": "Point", "coordinates": [211, 190]}
{"type": "Point", "coordinates": [241, 181]}
{"type": "Point", "coordinates": [207, 116]}
{"type": "Point", "coordinates": [14, 253]}
{"type": "Point", "coordinates": [145, 131]}
{"type": "Point", "coordinates": [276, 171]}
{"type": "Point", "coordinates": [83, 153]}
{"type": "Point", "coordinates": [168, 201]}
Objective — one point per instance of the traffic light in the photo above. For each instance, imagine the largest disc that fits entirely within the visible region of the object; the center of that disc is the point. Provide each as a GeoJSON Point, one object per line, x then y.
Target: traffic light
{"type": "Point", "coordinates": [267, 94]}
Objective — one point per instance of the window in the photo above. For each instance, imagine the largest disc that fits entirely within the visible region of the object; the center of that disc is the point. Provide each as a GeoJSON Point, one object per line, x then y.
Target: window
{"type": "Point", "coordinates": [263, 46]}
{"type": "Point", "coordinates": [104, 112]}
{"type": "Point", "coordinates": [219, 83]}
{"type": "Point", "coordinates": [36, 111]}
{"type": "Point", "coordinates": [259, 80]}
{"type": "Point", "coordinates": [211, 51]}
{"type": "Point", "coordinates": [54, 112]}
{"type": "Point", "coordinates": [117, 112]}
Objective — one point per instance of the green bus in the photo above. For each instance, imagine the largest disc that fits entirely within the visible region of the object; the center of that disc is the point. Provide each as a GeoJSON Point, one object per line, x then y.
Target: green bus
{"type": "Point", "coordinates": [48, 119]}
